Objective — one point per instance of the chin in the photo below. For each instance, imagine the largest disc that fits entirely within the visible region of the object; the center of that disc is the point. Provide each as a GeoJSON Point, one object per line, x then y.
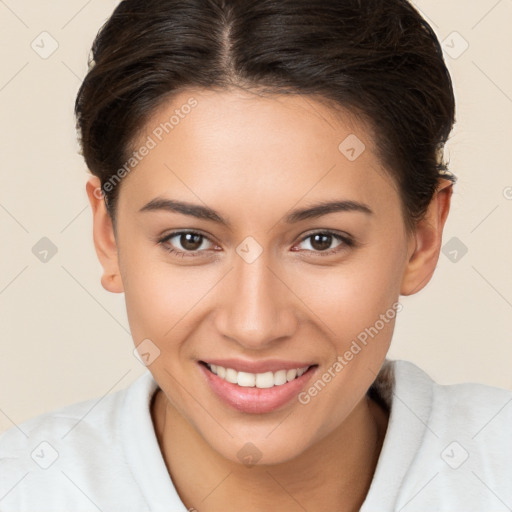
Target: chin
{"type": "Point", "coordinates": [262, 446]}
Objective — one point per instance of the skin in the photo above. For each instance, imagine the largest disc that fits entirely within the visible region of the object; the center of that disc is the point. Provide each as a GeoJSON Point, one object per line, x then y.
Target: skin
{"type": "Point", "coordinates": [253, 159]}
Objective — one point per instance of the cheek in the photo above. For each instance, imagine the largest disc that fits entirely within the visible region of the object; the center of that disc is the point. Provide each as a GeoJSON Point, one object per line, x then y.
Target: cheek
{"type": "Point", "coordinates": [159, 296]}
{"type": "Point", "coordinates": [156, 295]}
{"type": "Point", "coordinates": [352, 296]}
{"type": "Point", "coordinates": [359, 306]}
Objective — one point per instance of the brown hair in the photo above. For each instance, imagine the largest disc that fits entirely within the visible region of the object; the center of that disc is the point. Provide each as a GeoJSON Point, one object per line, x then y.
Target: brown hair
{"type": "Point", "coordinates": [377, 58]}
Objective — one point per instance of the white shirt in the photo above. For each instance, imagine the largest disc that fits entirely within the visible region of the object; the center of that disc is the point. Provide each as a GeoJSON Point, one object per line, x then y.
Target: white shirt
{"type": "Point", "coordinates": [447, 448]}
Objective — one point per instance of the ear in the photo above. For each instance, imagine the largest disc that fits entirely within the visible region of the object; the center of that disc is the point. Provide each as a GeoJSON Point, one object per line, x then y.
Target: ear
{"type": "Point", "coordinates": [104, 238]}
{"type": "Point", "coordinates": [425, 241]}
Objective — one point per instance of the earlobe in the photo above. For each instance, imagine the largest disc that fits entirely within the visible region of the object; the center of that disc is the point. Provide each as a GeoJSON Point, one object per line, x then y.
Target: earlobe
{"type": "Point", "coordinates": [104, 238]}
{"type": "Point", "coordinates": [425, 243]}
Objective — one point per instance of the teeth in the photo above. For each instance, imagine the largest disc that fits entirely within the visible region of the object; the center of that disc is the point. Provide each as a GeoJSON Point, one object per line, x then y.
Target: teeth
{"type": "Point", "coordinates": [246, 380]}
{"type": "Point", "coordinates": [231, 376]}
{"type": "Point", "coordinates": [265, 380]}
{"type": "Point", "coordinates": [291, 374]}
{"type": "Point", "coordinates": [259, 380]}
{"type": "Point", "coordinates": [280, 378]}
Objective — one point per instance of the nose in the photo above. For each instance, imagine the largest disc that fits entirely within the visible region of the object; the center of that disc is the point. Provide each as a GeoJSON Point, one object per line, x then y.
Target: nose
{"type": "Point", "coordinates": [257, 306]}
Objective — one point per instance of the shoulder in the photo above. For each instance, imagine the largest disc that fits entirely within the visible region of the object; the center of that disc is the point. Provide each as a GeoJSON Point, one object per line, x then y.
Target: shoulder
{"type": "Point", "coordinates": [459, 439]}
{"type": "Point", "coordinates": [66, 453]}
{"type": "Point", "coordinates": [473, 420]}
{"type": "Point", "coordinates": [95, 417]}
{"type": "Point", "coordinates": [463, 406]}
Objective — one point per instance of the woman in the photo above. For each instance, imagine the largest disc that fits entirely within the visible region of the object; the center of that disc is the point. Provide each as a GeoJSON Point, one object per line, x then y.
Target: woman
{"type": "Point", "coordinates": [268, 180]}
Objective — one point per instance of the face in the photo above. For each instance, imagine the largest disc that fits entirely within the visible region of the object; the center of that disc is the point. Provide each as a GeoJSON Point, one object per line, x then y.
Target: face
{"type": "Point", "coordinates": [234, 267]}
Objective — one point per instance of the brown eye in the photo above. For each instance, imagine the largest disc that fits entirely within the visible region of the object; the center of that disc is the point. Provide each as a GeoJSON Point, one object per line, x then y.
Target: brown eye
{"type": "Point", "coordinates": [185, 243]}
{"type": "Point", "coordinates": [190, 241]}
{"type": "Point", "coordinates": [321, 242]}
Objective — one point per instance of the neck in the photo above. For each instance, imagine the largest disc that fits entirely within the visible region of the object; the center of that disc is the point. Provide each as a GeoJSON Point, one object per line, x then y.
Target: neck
{"type": "Point", "coordinates": [334, 474]}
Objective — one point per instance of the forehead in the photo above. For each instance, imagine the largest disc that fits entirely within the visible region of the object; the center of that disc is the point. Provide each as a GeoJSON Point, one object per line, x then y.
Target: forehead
{"type": "Point", "coordinates": [257, 151]}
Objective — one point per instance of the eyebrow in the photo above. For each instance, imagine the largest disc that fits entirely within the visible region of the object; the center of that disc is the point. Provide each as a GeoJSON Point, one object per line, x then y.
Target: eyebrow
{"type": "Point", "coordinates": [206, 213]}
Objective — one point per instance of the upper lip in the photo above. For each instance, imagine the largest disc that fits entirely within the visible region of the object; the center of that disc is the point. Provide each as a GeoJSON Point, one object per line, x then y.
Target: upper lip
{"type": "Point", "coordinates": [270, 365]}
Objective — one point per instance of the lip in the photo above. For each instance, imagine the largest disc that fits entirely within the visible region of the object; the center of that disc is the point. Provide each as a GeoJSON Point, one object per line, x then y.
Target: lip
{"type": "Point", "coordinates": [256, 400]}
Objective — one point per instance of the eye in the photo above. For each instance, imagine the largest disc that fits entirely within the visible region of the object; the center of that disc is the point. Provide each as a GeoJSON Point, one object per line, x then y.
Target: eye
{"type": "Point", "coordinates": [190, 241]}
{"type": "Point", "coordinates": [322, 240]}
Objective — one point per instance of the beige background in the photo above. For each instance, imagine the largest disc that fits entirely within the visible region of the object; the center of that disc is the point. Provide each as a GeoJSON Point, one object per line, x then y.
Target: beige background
{"type": "Point", "coordinates": [65, 339]}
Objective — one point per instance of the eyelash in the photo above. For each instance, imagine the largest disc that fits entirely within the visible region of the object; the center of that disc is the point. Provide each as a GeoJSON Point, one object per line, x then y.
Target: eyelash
{"type": "Point", "coordinates": [346, 241]}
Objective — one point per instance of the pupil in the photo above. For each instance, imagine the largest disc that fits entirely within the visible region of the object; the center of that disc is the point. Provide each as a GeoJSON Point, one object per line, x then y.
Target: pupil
{"type": "Point", "coordinates": [320, 246]}
{"type": "Point", "coordinates": [191, 241]}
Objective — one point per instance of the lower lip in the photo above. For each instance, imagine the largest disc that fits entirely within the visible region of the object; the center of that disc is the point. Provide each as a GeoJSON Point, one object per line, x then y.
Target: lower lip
{"type": "Point", "coordinates": [255, 400]}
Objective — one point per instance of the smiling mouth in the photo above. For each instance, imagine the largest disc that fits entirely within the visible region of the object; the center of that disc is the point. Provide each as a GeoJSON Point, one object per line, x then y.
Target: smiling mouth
{"type": "Point", "coordinates": [257, 380]}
